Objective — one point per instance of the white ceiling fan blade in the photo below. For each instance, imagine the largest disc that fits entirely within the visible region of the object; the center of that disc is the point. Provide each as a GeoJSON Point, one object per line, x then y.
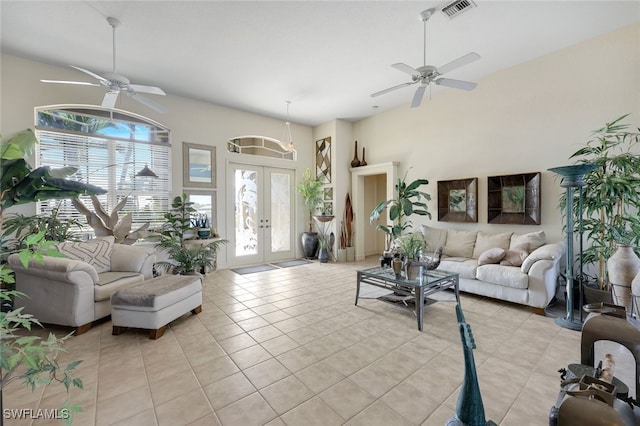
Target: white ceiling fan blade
{"type": "Point", "coordinates": [457, 63]}
{"type": "Point", "coordinates": [92, 74]}
{"type": "Point", "coordinates": [81, 83]}
{"type": "Point", "coordinates": [417, 98]}
{"type": "Point", "coordinates": [109, 100]}
{"type": "Point", "coordinates": [148, 102]}
{"type": "Point", "coordinates": [147, 89]}
{"type": "Point", "coordinates": [456, 84]}
{"type": "Point", "coordinates": [391, 89]}
{"type": "Point", "coordinates": [406, 68]}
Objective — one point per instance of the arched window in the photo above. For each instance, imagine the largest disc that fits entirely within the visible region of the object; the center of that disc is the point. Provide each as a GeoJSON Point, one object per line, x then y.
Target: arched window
{"type": "Point", "coordinates": [108, 148]}
{"type": "Point", "coordinates": [261, 145]}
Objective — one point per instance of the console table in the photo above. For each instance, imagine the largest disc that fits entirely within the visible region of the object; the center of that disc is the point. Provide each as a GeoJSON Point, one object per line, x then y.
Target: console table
{"type": "Point", "coordinates": [429, 283]}
{"type": "Point", "coordinates": [203, 242]}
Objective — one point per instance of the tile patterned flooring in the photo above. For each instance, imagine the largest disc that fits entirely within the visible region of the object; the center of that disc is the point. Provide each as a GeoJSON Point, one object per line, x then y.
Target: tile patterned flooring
{"type": "Point", "coordinates": [288, 347]}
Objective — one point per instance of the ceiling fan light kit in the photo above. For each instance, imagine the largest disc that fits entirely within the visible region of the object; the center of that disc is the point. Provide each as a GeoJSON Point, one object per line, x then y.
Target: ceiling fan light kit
{"type": "Point", "coordinates": [427, 74]}
{"type": "Point", "coordinates": [116, 83]}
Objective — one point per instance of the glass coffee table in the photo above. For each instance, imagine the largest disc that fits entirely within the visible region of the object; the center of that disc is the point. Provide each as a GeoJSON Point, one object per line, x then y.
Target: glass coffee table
{"type": "Point", "coordinates": [429, 283]}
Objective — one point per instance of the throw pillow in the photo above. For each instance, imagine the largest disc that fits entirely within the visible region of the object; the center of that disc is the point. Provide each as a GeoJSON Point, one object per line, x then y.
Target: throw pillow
{"type": "Point", "coordinates": [96, 253]}
{"type": "Point", "coordinates": [434, 237]}
{"type": "Point", "coordinates": [530, 241]}
{"type": "Point", "coordinates": [547, 252]}
{"type": "Point", "coordinates": [514, 256]}
{"type": "Point", "coordinates": [460, 243]}
{"type": "Point", "coordinates": [493, 255]}
{"type": "Point", "coordinates": [486, 241]}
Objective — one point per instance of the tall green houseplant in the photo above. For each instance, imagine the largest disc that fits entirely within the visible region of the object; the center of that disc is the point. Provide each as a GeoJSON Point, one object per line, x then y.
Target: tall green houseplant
{"type": "Point", "coordinates": [311, 190]}
{"type": "Point", "coordinates": [22, 357]}
{"type": "Point", "coordinates": [611, 197]}
{"type": "Point", "coordinates": [409, 200]}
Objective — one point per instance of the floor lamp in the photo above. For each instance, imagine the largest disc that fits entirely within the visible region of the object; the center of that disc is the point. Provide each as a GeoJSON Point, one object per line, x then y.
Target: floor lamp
{"type": "Point", "coordinates": [573, 177]}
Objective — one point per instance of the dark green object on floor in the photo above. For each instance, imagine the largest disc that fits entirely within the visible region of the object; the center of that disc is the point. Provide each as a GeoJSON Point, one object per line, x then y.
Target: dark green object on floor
{"type": "Point", "coordinates": [469, 409]}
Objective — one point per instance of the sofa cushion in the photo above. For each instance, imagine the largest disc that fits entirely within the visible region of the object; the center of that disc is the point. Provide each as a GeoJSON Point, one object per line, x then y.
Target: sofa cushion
{"type": "Point", "coordinates": [493, 255]}
{"type": "Point", "coordinates": [508, 276]}
{"type": "Point", "coordinates": [514, 256]}
{"type": "Point", "coordinates": [104, 291]}
{"type": "Point", "coordinates": [465, 268]}
{"type": "Point", "coordinates": [485, 241]}
{"type": "Point", "coordinates": [460, 243]}
{"type": "Point", "coordinates": [530, 241]}
{"type": "Point", "coordinates": [546, 252]}
{"type": "Point", "coordinates": [434, 237]}
{"type": "Point", "coordinates": [96, 253]}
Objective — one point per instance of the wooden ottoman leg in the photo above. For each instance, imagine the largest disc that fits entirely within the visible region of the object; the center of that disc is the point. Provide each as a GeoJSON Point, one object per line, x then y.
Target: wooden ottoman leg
{"type": "Point", "coordinates": [157, 333]}
{"type": "Point", "coordinates": [116, 330]}
{"type": "Point", "coordinates": [196, 310]}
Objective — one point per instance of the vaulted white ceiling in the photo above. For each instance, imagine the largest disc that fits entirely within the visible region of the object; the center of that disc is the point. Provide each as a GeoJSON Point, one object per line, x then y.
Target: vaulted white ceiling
{"type": "Point", "coordinates": [326, 57]}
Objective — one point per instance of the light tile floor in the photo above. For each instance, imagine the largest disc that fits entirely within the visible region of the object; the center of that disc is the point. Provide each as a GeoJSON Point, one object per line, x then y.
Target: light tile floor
{"type": "Point", "coordinates": [288, 347]}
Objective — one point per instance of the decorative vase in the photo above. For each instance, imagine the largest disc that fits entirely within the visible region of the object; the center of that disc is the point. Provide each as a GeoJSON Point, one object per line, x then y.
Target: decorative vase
{"type": "Point", "coordinates": [204, 233]}
{"type": "Point", "coordinates": [310, 244]}
{"type": "Point", "coordinates": [623, 267]}
{"type": "Point", "coordinates": [323, 255]}
{"type": "Point", "coordinates": [363, 162]}
{"type": "Point", "coordinates": [396, 264]}
{"type": "Point", "coordinates": [355, 162]}
{"type": "Point", "coordinates": [351, 254]}
{"type": "Point", "coordinates": [635, 290]}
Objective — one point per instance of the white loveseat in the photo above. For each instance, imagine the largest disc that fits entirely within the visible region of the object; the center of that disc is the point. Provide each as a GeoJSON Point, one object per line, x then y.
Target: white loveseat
{"type": "Point", "coordinates": [76, 290]}
{"type": "Point", "coordinates": [527, 273]}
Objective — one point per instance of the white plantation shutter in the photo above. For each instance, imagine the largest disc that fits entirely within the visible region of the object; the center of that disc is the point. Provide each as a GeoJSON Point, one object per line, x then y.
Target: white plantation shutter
{"type": "Point", "coordinates": [110, 162]}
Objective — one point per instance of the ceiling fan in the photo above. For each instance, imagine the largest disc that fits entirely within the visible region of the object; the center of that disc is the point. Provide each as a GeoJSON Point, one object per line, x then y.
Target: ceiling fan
{"type": "Point", "coordinates": [116, 83]}
{"type": "Point", "coordinates": [427, 74]}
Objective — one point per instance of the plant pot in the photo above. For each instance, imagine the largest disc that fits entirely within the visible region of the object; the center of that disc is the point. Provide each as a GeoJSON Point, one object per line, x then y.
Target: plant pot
{"type": "Point", "coordinates": [413, 270]}
{"type": "Point", "coordinates": [310, 244]}
{"type": "Point", "coordinates": [351, 254]}
{"type": "Point", "coordinates": [595, 295]}
{"type": "Point", "coordinates": [323, 255]}
{"type": "Point", "coordinates": [204, 233]}
{"type": "Point", "coordinates": [623, 266]}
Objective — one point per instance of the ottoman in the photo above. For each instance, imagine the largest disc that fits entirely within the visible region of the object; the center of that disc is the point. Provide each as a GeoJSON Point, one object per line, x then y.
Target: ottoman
{"type": "Point", "coordinates": [154, 303]}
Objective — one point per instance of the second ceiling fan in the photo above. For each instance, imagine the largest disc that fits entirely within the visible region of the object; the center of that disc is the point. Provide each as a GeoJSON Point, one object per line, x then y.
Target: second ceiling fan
{"type": "Point", "coordinates": [427, 74]}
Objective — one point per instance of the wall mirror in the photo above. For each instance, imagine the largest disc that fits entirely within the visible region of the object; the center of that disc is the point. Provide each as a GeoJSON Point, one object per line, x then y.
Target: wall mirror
{"type": "Point", "coordinates": [199, 165]}
{"type": "Point", "coordinates": [514, 199]}
{"type": "Point", "coordinates": [458, 200]}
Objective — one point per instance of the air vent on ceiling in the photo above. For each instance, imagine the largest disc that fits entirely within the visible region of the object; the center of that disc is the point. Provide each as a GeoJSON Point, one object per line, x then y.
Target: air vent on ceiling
{"type": "Point", "coordinates": [456, 7]}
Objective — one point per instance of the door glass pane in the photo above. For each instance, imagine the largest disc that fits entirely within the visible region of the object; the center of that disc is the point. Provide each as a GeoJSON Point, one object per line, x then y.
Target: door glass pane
{"type": "Point", "coordinates": [246, 212]}
{"type": "Point", "coordinates": [280, 212]}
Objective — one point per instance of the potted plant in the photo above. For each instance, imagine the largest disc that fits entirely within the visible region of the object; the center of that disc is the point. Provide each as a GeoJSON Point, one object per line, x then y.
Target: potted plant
{"type": "Point", "coordinates": [411, 246]}
{"type": "Point", "coordinates": [311, 190]}
{"type": "Point", "coordinates": [184, 260]}
{"type": "Point", "coordinates": [611, 197]}
{"type": "Point", "coordinates": [408, 201]}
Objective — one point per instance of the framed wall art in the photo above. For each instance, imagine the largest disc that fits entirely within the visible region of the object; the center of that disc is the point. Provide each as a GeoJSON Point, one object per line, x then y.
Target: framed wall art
{"type": "Point", "coordinates": [323, 159]}
{"type": "Point", "coordinates": [514, 199]}
{"type": "Point", "coordinates": [458, 200]}
{"type": "Point", "coordinates": [199, 165]}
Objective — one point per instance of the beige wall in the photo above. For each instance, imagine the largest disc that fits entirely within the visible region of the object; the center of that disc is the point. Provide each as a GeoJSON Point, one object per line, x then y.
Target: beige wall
{"type": "Point", "coordinates": [524, 119]}
{"type": "Point", "coordinates": [189, 121]}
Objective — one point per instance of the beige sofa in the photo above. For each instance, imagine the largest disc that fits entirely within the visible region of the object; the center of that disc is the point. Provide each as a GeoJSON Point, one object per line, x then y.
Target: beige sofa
{"type": "Point", "coordinates": [519, 268]}
{"type": "Point", "coordinates": [76, 290]}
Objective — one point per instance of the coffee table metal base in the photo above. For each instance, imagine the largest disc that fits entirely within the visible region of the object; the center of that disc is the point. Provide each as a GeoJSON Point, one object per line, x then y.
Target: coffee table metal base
{"type": "Point", "coordinates": [432, 282]}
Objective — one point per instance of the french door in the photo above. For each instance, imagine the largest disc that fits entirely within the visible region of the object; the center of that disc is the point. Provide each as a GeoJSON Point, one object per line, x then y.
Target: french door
{"type": "Point", "coordinates": [261, 212]}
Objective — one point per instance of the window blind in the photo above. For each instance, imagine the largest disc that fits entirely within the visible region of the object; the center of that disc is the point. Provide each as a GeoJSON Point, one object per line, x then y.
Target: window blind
{"type": "Point", "coordinates": [110, 163]}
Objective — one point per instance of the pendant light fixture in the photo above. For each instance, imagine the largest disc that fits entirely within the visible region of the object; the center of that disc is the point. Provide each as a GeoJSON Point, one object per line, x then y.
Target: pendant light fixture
{"type": "Point", "coordinates": [286, 140]}
{"type": "Point", "coordinates": [146, 172]}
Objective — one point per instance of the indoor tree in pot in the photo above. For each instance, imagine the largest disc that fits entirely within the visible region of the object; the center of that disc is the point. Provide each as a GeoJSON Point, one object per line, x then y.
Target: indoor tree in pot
{"type": "Point", "coordinates": [611, 197]}
{"type": "Point", "coordinates": [311, 190]}
{"type": "Point", "coordinates": [408, 201]}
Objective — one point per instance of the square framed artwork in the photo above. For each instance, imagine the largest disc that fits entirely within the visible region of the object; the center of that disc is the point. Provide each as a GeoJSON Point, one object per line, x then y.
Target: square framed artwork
{"type": "Point", "coordinates": [458, 200]}
{"type": "Point", "coordinates": [514, 199]}
{"type": "Point", "coordinates": [199, 165]}
{"type": "Point", "coordinates": [323, 159]}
